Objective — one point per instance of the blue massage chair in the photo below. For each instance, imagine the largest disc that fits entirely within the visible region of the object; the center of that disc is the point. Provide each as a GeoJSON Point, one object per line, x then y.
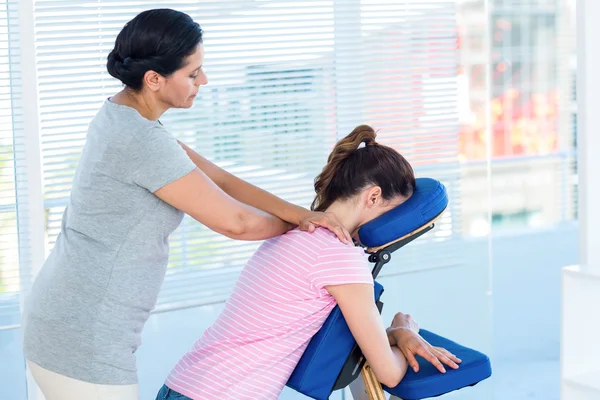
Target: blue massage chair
{"type": "Point", "coordinates": [333, 360]}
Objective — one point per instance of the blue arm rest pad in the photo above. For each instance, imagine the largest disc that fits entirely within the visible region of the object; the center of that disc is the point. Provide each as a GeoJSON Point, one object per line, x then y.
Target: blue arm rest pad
{"type": "Point", "coordinates": [428, 200]}
{"type": "Point", "coordinates": [322, 361]}
{"type": "Point", "coordinates": [429, 382]}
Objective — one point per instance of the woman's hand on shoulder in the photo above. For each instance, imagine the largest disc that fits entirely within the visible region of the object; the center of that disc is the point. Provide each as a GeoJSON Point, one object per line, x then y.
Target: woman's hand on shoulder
{"type": "Point", "coordinates": [310, 220]}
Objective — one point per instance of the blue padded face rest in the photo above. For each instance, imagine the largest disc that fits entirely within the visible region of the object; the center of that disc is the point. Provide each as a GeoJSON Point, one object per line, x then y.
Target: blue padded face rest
{"type": "Point", "coordinates": [429, 382]}
{"type": "Point", "coordinates": [325, 355]}
{"type": "Point", "coordinates": [428, 200]}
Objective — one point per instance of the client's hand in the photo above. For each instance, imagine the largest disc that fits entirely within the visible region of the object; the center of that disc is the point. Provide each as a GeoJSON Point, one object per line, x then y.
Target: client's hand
{"type": "Point", "coordinates": [309, 220]}
{"type": "Point", "coordinates": [402, 320]}
{"type": "Point", "coordinates": [411, 344]}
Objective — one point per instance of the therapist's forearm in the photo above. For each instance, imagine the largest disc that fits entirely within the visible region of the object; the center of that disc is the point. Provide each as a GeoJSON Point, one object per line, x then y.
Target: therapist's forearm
{"type": "Point", "coordinates": [246, 192]}
{"type": "Point", "coordinates": [261, 199]}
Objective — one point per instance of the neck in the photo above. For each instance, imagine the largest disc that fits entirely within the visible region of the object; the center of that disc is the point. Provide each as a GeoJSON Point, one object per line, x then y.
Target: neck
{"type": "Point", "coordinates": [146, 105]}
{"type": "Point", "coordinates": [346, 213]}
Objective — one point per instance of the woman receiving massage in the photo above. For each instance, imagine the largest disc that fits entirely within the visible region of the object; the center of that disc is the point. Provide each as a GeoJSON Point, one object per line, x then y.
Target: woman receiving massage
{"type": "Point", "coordinates": [293, 281]}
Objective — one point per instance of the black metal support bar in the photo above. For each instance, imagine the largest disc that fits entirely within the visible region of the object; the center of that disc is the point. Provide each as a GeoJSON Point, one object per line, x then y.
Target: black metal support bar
{"type": "Point", "coordinates": [384, 255]}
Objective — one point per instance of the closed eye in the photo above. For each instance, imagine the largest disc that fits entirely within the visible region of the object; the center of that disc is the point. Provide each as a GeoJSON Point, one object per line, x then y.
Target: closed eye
{"type": "Point", "coordinates": [196, 72]}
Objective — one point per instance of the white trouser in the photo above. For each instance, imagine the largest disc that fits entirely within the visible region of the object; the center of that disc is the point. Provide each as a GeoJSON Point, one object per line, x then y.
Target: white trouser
{"type": "Point", "coordinates": [59, 387]}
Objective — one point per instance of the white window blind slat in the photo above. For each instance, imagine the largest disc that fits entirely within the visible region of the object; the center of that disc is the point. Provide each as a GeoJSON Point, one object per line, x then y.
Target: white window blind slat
{"type": "Point", "coordinates": [13, 195]}
{"type": "Point", "coordinates": [285, 80]}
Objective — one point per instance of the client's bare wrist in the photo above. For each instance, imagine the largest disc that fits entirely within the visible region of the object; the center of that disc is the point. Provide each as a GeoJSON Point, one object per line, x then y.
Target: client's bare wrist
{"type": "Point", "coordinates": [391, 337]}
{"type": "Point", "coordinates": [397, 333]}
{"type": "Point", "coordinates": [402, 320]}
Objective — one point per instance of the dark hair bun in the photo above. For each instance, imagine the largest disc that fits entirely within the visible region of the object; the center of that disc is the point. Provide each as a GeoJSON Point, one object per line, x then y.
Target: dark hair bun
{"type": "Point", "coordinates": [155, 40]}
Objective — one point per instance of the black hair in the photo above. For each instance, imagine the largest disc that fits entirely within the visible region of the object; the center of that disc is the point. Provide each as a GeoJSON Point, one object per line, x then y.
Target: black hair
{"type": "Point", "coordinates": [155, 40]}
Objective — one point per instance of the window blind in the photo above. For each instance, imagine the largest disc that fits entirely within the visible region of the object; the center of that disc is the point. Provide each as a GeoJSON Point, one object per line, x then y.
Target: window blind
{"type": "Point", "coordinates": [9, 272]}
{"type": "Point", "coordinates": [15, 194]}
{"type": "Point", "coordinates": [287, 79]}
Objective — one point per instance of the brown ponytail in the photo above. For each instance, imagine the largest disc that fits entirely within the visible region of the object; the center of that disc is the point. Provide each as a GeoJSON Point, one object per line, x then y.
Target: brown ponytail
{"type": "Point", "coordinates": [350, 169]}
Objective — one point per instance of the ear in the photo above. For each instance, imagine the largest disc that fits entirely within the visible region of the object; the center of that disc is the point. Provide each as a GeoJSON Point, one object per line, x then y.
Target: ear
{"type": "Point", "coordinates": [373, 196]}
{"type": "Point", "coordinates": [153, 80]}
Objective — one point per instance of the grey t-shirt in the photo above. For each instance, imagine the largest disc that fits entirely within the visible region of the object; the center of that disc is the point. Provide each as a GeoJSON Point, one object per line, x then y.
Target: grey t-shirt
{"type": "Point", "coordinates": [91, 299]}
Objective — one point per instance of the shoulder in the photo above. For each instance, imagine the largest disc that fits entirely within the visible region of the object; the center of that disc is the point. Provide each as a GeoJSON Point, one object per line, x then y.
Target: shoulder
{"type": "Point", "coordinates": [127, 122]}
{"type": "Point", "coordinates": [320, 237]}
{"type": "Point", "coordinates": [330, 245]}
{"type": "Point", "coordinates": [320, 242]}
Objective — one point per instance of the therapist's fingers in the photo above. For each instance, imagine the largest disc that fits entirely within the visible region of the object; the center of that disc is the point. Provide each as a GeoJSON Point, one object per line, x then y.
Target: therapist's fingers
{"type": "Point", "coordinates": [329, 221]}
{"type": "Point", "coordinates": [335, 225]}
{"type": "Point", "coordinates": [339, 231]}
{"type": "Point", "coordinates": [345, 236]}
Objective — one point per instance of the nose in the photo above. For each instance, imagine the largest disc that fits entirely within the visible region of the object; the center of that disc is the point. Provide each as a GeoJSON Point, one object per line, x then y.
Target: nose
{"type": "Point", "coordinates": [202, 79]}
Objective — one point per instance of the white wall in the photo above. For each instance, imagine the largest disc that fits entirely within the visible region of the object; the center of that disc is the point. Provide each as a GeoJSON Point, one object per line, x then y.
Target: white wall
{"type": "Point", "coordinates": [527, 292]}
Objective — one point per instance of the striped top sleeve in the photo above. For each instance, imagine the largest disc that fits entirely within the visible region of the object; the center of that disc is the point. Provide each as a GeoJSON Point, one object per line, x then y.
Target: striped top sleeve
{"type": "Point", "coordinates": [340, 265]}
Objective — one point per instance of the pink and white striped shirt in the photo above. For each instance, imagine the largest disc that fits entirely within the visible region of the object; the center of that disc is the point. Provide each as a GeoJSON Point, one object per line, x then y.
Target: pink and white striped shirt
{"type": "Point", "coordinates": [278, 303]}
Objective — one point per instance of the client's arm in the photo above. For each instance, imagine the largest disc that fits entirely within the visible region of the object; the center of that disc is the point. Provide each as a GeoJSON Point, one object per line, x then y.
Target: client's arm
{"type": "Point", "coordinates": [363, 319]}
{"type": "Point", "coordinates": [387, 350]}
{"type": "Point", "coordinates": [404, 333]}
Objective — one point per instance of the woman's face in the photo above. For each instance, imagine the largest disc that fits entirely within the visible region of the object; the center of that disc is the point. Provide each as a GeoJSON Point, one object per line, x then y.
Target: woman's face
{"type": "Point", "coordinates": [182, 86]}
{"type": "Point", "coordinates": [372, 205]}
